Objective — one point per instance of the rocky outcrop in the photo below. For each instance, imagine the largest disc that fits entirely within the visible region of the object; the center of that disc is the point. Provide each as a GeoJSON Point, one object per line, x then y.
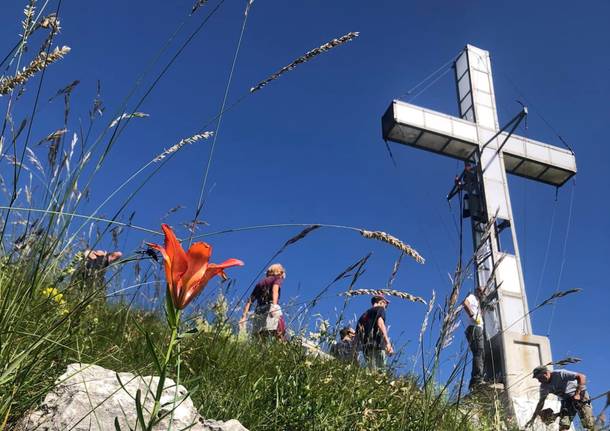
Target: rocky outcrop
{"type": "Point", "coordinates": [89, 397]}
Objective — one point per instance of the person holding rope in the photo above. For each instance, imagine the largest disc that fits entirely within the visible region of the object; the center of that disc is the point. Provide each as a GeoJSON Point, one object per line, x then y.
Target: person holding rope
{"type": "Point", "coordinates": [268, 320]}
{"type": "Point", "coordinates": [468, 182]}
{"type": "Point", "coordinates": [570, 388]}
{"type": "Point", "coordinates": [372, 334]}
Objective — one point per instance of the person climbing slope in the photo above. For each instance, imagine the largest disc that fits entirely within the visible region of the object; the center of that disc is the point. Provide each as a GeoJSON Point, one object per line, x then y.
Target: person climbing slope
{"type": "Point", "coordinates": [372, 334]}
{"type": "Point", "coordinates": [268, 320]}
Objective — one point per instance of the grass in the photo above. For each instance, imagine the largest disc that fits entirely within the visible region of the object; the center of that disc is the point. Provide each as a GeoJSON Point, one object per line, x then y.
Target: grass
{"type": "Point", "coordinates": [266, 386]}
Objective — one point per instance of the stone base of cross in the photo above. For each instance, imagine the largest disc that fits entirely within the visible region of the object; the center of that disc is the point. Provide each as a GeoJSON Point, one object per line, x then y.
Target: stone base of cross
{"type": "Point", "coordinates": [477, 138]}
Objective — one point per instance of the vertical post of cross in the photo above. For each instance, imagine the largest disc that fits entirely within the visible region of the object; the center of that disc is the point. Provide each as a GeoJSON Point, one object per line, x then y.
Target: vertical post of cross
{"type": "Point", "coordinates": [477, 103]}
{"type": "Point", "coordinates": [513, 350]}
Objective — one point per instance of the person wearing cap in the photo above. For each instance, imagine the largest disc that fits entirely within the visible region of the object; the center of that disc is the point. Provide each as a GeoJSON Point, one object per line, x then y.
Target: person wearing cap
{"type": "Point", "coordinates": [345, 349]}
{"type": "Point", "coordinates": [570, 388]}
{"type": "Point", "coordinates": [474, 334]}
{"type": "Point", "coordinates": [372, 334]}
{"type": "Point", "coordinates": [268, 320]}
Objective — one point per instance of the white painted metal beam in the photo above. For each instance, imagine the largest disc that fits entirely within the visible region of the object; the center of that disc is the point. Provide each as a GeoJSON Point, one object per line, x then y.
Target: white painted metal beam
{"type": "Point", "coordinates": [454, 137]}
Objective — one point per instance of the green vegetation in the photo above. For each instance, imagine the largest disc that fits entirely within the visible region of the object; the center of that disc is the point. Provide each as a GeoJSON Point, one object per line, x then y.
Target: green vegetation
{"type": "Point", "coordinates": [266, 386]}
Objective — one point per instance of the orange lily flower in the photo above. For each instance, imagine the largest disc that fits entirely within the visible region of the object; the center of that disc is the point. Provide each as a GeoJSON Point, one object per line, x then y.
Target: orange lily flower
{"type": "Point", "coordinates": [188, 273]}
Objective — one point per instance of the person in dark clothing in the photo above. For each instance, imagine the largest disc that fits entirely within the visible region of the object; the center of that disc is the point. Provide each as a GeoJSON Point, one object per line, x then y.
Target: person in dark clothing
{"type": "Point", "coordinates": [468, 182]}
{"type": "Point", "coordinates": [372, 334]}
{"type": "Point", "coordinates": [475, 336]}
{"type": "Point", "coordinates": [345, 349]}
{"type": "Point", "coordinates": [268, 320]}
{"type": "Point", "coordinates": [570, 388]}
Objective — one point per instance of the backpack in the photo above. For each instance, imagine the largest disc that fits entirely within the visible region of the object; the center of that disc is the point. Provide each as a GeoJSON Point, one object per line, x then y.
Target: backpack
{"type": "Point", "coordinates": [363, 330]}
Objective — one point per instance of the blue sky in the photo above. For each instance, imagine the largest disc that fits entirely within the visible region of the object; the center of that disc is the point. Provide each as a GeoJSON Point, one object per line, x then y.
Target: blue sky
{"type": "Point", "coordinates": [308, 148]}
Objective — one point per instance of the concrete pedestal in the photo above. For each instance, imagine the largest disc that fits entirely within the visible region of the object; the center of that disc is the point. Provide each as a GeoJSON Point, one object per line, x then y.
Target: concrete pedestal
{"type": "Point", "coordinates": [523, 353]}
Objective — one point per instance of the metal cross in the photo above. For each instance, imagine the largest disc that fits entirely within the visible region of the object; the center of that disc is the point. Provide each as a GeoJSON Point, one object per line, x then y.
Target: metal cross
{"type": "Point", "coordinates": [477, 137]}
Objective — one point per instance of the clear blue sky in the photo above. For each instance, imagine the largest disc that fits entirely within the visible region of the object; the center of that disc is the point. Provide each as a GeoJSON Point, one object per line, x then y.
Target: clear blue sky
{"type": "Point", "coordinates": [308, 148]}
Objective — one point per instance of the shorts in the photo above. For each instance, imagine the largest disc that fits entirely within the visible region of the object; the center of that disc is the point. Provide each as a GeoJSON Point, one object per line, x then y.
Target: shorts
{"type": "Point", "coordinates": [268, 318]}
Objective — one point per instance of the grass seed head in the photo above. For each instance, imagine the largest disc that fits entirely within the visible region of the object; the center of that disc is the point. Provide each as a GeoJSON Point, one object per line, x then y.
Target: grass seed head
{"type": "Point", "coordinates": [565, 361]}
{"type": "Point", "coordinates": [197, 5]}
{"type": "Point", "coordinates": [557, 295]}
{"type": "Point", "coordinates": [50, 22]}
{"type": "Point", "coordinates": [395, 270]}
{"type": "Point", "coordinates": [395, 242]}
{"type": "Point", "coordinates": [385, 292]}
{"type": "Point", "coordinates": [42, 60]}
{"type": "Point", "coordinates": [126, 116]}
{"type": "Point", "coordinates": [306, 57]}
{"type": "Point", "coordinates": [182, 143]}
{"type": "Point", "coordinates": [424, 324]}
{"type": "Point", "coordinates": [29, 11]}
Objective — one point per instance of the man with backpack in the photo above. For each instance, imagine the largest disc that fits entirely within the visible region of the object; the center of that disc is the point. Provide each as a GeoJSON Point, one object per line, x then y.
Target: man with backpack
{"type": "Point", "coordinates": [372, 334]}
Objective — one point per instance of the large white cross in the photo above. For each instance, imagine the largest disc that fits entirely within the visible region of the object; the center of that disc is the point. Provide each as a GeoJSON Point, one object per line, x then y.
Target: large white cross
{"type": "Point", "coordinates": [515, 351]}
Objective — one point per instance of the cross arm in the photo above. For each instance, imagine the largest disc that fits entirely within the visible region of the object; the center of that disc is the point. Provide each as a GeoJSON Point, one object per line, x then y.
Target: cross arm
{"type": "Point", "coordinates": [454, 137]}
{"type": "Point", "coordinates": [538, 161]}
{"type": "Point", "coordinates": [429, 130]}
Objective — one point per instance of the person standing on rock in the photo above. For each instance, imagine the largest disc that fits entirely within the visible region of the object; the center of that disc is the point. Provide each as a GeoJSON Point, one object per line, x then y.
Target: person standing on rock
{"type": "Point", "coordinates": [372, 334]}
{"type": "Point", "coordinates": [475, 336]}
{"type": "Point", "coordinates": [268, 320]}
{"type": "Point", "coordinates": [570, 388]}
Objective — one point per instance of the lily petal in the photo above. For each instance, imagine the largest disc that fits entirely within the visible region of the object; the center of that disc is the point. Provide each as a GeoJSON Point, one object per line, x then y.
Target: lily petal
{"type": "Point", "coordinates": [218, 269]}
{"type": "Point", "coordinates": [167, 264]}
{"type": "Point", "coordinates": [212, 271]}
{"type": "Point", "coordinates": [178, 262]}
{"type": "Point", "coordinates": [198, 258]}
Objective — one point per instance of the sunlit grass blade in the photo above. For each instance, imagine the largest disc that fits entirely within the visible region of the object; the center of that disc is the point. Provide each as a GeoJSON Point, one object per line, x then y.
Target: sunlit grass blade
{"type": "Point", "coordinates": [140, 411]}
{"type": "Point", "coordinates": [150, 346]}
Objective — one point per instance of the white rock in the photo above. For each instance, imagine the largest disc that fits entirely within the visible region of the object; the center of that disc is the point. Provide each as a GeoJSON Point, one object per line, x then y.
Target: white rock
{"type": "Point", "coordinates": [89, 398]}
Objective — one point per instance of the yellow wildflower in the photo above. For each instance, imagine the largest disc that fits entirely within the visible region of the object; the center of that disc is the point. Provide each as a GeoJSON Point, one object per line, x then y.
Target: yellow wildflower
{"type": "Point", "coordinates": [56, 296]}
{"type": "Point", "coordinates": [53, 293]}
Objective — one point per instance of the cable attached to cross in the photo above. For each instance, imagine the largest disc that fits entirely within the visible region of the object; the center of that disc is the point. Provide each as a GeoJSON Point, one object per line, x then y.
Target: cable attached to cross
{"type": "Point", "coordinates": [537, 112]}
{"type": "Point", "coordinates": [446, 67]}
{"type": "Point", "coordinates": [564, 252]}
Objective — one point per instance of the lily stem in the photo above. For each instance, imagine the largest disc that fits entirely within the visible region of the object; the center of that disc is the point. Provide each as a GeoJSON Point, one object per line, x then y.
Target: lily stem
{"type": "Point", "coordinates": [161, 385]}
